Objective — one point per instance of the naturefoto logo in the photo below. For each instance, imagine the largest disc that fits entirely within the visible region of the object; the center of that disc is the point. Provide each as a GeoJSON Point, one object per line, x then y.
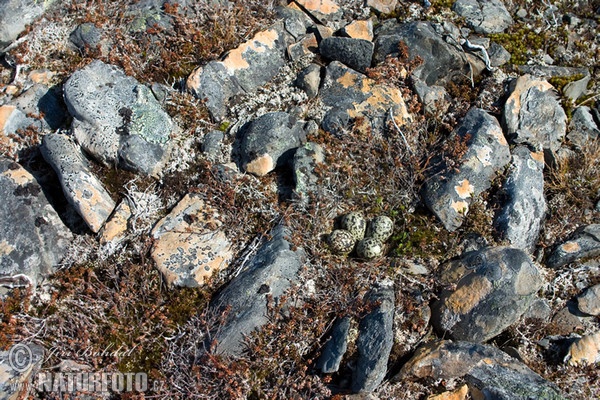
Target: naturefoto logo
{"type": "Point", "coordinates": [23, 358]}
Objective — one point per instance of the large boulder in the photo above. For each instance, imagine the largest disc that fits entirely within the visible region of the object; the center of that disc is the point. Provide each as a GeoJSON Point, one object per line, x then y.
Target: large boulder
{"type": "Point", "coordinates": [243, 302]}
{"type": "Point", "coordinates": [118, 120]}
{"type": "Point", "coordinates": [33, 239]}
{"type": "Point", "coordinates": [477, 151]}
{"type": "Point", "coordinates": [497, 286]}
{"type": "Point", "coordinates": [15, 15]}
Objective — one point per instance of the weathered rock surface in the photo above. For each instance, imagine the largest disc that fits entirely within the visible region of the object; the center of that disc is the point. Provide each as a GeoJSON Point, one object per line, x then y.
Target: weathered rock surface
{"type": "Point", "coordinates": [355, 53]}
{"type": "Point", "coordinates": [243, 69]}
{"type": "Point", "coordinates": [359, 30]}
{"type": "Point", "coordinates": [271, 272]}
{"type": "Point", "coordinates": [584, 351]}
{"type": "Point", "coordinates": [434, 98]}
{"type": "Point", "coordinates": [13, 119]}
{"type": "Point", "coordinates": [116, 119]}
{"type": "Point", "coordinates": [213, 146]}
{"type": "Point", "coordinates": [583, 243]}
{"type": "Point", "coordinates": [18, 367]}
{"type": "Point", "coordinates": [521, 216]}
{"type": "Point", "coordinates": [309, 80]}
{"type": "Point", "coordinates": [442, 62]}
{"type": "Point", "coordinates": [375, 340]}
{"type": "Point", "coordinates": [15, 15]}
{"type": "Point", "coordinates": [81, 188]}
{"type": "Point", "coordinates": [335, 347]}
{"type": "Point", "coordinates": [305, 160]}
{"type": "Point", "coordinates": [488, 371]}
{"type": "Point", "coordinates": [484, 16]}
{"type": "Point", "coordinates": [115, 229]}
{"type": "Point", "coordinates": [498, 287]}
{"type": "Point", "coordinates": [450, 191]}
{"type": "Point", "coordinates": [589, 301]}
{"type": "Point", "coordinates": [533, 115]}
{"type": "Point", "coordinates": [350, 94]}
{"type": "Point", "coordinates": [33, 239]}
{"type": "Point", "coordinates": [266, 142]}
{"type": "Point", "coordinates": [327, 12]}
{"type": "Point", "coordinates": [189, 246]}
{"type": "Point", "coordinates": [383, 6]}
{"type": "Point", "coordinates": [582, 128]}
{"type": "Point", "coordinates": [47, 103]}
{"type": "Point", "coordinates": [86, 36]}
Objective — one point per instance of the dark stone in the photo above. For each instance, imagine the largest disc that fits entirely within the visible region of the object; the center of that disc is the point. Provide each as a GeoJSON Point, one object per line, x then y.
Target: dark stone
{"type": "Point", "coordinates": [498, 286]}
{"type": "Point", "coordinates": [355, 53]}
{"type": "Point", "coordinates": [212, 145]}
{"type": "Point", "coordinates": [276, 265]}
{"type": "Point", "coordinates": [582, 128]}
{"type": "Point", "coordinates": [138, 155]}
{"type": "Point", "coordinates": [309, 80]}
{"type": "Point", "coordinates": [85, 36]}
{"type": "Point", "coordinates": [335, 348]}
{"type": "Point", "coordinates": [375, 340]}
{"type": "Point", "coordinates": [583, 243]}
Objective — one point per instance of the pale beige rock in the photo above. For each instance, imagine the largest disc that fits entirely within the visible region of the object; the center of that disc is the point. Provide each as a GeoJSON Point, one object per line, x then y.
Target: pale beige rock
{"type": "Point", "coordinates": [457, 394]}
{"type": "Point", "coordinates": [190, 246]}
{"type": "Point", "coordinates": [585, 351]}
{"type": "Point", "coordinates": [383, 6]}
{"type": "Point", "coordinates": [360, 29]}
{"type": "Point", "coordinates": [115, 228]}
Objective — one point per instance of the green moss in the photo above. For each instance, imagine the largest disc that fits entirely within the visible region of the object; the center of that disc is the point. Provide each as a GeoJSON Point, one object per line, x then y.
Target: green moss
{"type": "Point", "coordinates": [521, 43]}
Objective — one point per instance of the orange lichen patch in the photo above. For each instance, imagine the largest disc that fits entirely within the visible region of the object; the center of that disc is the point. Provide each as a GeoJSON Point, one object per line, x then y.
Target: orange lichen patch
{"type": "Point", "coordinates": [497, 133]}
{"type": "Point", "coordinates": [19, 176]}
{"type": "Point", "coordinates": [570, 247]}
{"type": "Point", "coordinates": [522, 86]}
{"type": "Point", "coordinates": [5, 113]}
{"type": "Point", "coordinates": [261, 166]}
{"type": "Point", "coordinates": [585, 351]}
{"type": "Point", "coordinates": [5, 248]}
{"type": "Point", "coordinates": [457, 394]}
{"type": "Point", "coordinates": [12, 90]}
{"type": "Point", "coordinates": [360, 30]}
{"type": "Point", "coordinates": [294, 6]}
{"type": "Point", "coordinates": [193, 81]}
{"type": "Point", "coordinates": [259, 43]}
{"type": "Point", "coordinates": [42, 76]}
{"type": "Point", "coordinates": [322, 6]}
{"type": "Point", "coordinates": [484, 155]}
{"type": "Point", "coordinates": [464, 189]}
{"type": "Point", "coordinates": [347, 80]}
{"type": "Point", "coordinates": [461, 207]}
{"type": "Point", "coordinates": [115, 228]}
{"type": "Point", "coordinates": [538, 156]}
{"type": "Point", "coordinates": [420, 364]}
{"type": "Point", "coordinates": [382, 98]}
{"type": "Point", "coordinates": [94, 205]}
{"type": "Point", "coordinates": [467, 297]}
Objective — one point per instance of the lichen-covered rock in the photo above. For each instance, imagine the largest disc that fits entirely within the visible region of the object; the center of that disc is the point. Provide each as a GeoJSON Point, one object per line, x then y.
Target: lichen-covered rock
{"type": "Point", "coordinates": [457, 394]}
{"type": "Point", "coordinates": [341, 242]}
{"type": "Point", "coordinates": [484, 16]}
{"type": "Point", "coordinates": [462, 176]}
{"type": "Point", "coordinates": [335, 347]}
{"type": "Point", "coordinates": [486, 369]}
{"type": "Point", "coordinates": [305, 160]}
{"type": "Point", "coordinates": [359, 29]}
{"type": "Point", "coordinates": [295, 21]}
{"type": "Point", "coordinates": [244, 69]}
{"type": "Point", "coordinates": [327, 12]}
{"type": "Point", "coordinates": [45, 103]}
{"type": "Point", "coordinates": [108, 108]}
{"type": "Point", "coordinates": [81, 188]}
{"type": "Point", "coordinates": [583, 243]}
{"type": "Point", "coordinates": [533, 115]}
{"type": "Point", "coordinates": [522, 214]}
{"type": "Point", "coordinates": [355, 53]}
{"type": "Point", "coordinates": [15, 15]}
{"type": "Point", "coordinates": [375, 339]}
{"type": "Point", "coordinates": [442, 62]}
{"type": "Point", "coordinates": [189, 245]}
{"type": "Point", "coordinates": [434, 98]}
{"type": "Point", "coordinates": [584, 351]}
{"type": "Point", "coordinates": [383, 6]}
{"type": "Point", "coordinates": [18, 368]}
{"type": "Point", "coordinates": [350, 94]}
{"type": "Point", "coordinates": [589, 301]}
{"type": "Point", "coordinates": [582, 128]}
{"type": "Point", "coordinates": [266, 142]}
{"type": "Point", "coordinates": [271, 272]}
{"type": "Point", "coordinates": [115, 229]}
{"type": "Point", "coordinates": [12, 122]}
{"type": "Point", "coordinates": [33, 239]}
{"type": "Point", "coordinates": [498, 288]}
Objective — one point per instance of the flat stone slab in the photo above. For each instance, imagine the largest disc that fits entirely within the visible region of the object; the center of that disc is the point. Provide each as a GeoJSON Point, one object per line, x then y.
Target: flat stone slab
{"type": "Point", "coordinates": [484, 16]}
{"type": "Point", "coordinates": [583, 243]}
{"type": "Point", "coordinates": [189, 245]}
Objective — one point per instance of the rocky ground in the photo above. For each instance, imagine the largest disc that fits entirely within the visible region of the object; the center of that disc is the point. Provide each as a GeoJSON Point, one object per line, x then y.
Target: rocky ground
{"type": "Point", "coordinates": [304, 199]}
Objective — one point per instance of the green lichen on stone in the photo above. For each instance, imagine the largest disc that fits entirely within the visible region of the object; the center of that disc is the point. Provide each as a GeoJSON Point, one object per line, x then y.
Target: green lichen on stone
{"type": "Point", "coordinates": [148, 119]}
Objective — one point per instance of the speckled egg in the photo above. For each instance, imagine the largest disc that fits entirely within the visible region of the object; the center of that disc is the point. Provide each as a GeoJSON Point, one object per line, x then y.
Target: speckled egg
{"type": "Point", "coordinates": [369, 248]}
{"type": "Point", "coordinates": [341, 241]}
{"type": "Point", "coordinates": [355, 223]}
{"type": "Point", "coordinates": [381, 228]}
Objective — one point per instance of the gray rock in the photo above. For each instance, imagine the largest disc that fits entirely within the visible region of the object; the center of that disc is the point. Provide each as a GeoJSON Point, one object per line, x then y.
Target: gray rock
{"type": "Point", "coordinates": [20, 364]}
{"type": "Point", "coordinates": [383, 6]}
{"type": "Point", "coordinates": [327, 12]}
{"type": "Point", "coordinates": [33, 239]}
{"type": "Point", "coordinates": [486, 369]}
{"type": "Point", "coordinates": [81, 188]}
{"type": "Point", "coordinates": [484, 16]}
{"type": "Point", "coordinates": [582, 128]}
{"type": "Point", "coordinates": [266, 142]}
{"type": "Point", "coordinates": [539, 310]}
{"type": "Point", "coordinates": [442, 62]}
{"type": "Point", "coordinates": [355, 53]}
{"type": "Point", "coordinates": [461, 177]}
{"type": "Point", "coordinates": [108, 107]}
{"type": "Point", "coordinates": [336, 122]}
{"type": "Point", "coordinates": [243, 69]}
{"type": "Point", "coordinates": [271, 272]}
{"type": "Point", "coordinates": [552, 71]}
{"type": "Point", "coordinates": [335, 348]}
{"type": "Point", "coordinates": [589, 301]}
{"type": "Point", "coordinates": [533, 115]}
{"type": "Point", "coordinates": [499, 286]}
{"type": "Point", "coordinates": [45, 102]}
{"type": "Point", "coordinates": [375, 340]}
{"type": "Point", "coordinates": [309, 80]}
{"type": "Point", "coordinates": [576, 89]}
{"type": "Point", "coordinates": [13, 120]}
{"type": "Point", "coordinates": [434, 98]}
{"type": "Point", "coordinates": [303, 166]}
{"type": "Point", "coordinates": [295, 21]}
{"type": "Point", "coordinates": [521, 216]}
{"type": "Point", "coordinates": [212, 145]}
{"type": "Point", "coordinates": [583, 243]}
{"type": "Point", "coordinates": [15, 15]}
{"type": "Point", "coordinates": [86, 35]}
{"type": "Point", "coordinates": [498, 55]}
